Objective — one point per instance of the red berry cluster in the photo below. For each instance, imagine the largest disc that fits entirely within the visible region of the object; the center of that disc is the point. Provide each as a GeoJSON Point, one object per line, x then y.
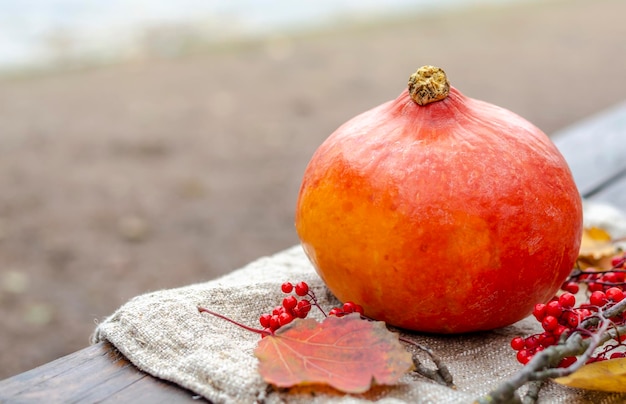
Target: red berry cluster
{"type": "Point", "coordinates": [560, 317]}
{"type": "Point", "coordinates": [292, 307]}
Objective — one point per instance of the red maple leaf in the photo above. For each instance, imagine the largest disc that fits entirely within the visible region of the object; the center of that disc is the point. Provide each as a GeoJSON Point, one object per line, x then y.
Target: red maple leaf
{"type": "Point", "coordinates": [347, 353]}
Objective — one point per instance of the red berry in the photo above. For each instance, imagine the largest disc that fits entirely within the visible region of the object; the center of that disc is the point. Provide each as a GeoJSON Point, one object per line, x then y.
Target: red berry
{"type": "Point", "coordinates": [598, 298]}
{"type": "Point", "coordinates": [618, 261]}
{"type": "Point", "coordinates": [523, 356]}
{"type": "Point", "coordinates": [302, 308]}
{"type": "Point", "coordinates": [567, 361]}
{"type": "Point", "coordinates": [302, 288]}
{"type": "Point", "coordinates": [560, 329]}
{"type": "Point", "coordinates": [265, 320]}
{"type": "Point", "coordinates": [517, 343]}
{"type": "Point", "coordinates": [608, 277]}
{"type": "Point", "coordinates": [290, 303]}
{"type": "Point", "coordinates": [286, 287]}
{"type": "Point", "coordinates": [549, 323]}
{"type": "Point", "coordinates": [539, 311]}
{"type": "Point", "coordinates": [336, 311]}
{"type": "Point", "coordinates": [594, 287]}
{"type": "Point", "coordinates": [284, 319]}
{"type": "Point", "coordinates": [349, 307]}
{"type": "Point", "coordinates": [274, 323]}
{"type": "Point", "coordinates": [615, 294]}
{"type": "Point", "coordinates": [546, 339]}
{"type": "Point", "coordinates": [571, 287]}
{"type": "Point", "coordinates": [554, 309]}
{"type": "Point", "coordinates": [572, 319]}
{"type": "Point", "coordinates": [531, 342]}
{"type": "Point", "coordinates": [567, 300]}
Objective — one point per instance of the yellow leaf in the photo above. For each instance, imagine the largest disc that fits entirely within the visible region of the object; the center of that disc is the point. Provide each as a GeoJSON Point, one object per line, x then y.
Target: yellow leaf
{"type": "Point", "coordinates": [596, 248]}
{"type": "Point", "coordinates": [607, 375]}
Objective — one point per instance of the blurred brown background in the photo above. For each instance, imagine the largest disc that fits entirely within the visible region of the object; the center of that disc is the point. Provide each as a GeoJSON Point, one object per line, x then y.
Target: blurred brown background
{"type": "Point", "coordinates": [158, 173]}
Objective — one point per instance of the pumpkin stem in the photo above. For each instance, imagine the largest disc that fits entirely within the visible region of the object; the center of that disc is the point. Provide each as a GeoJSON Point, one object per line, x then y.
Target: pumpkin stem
{"type": "Point", "coordinates": [428, 84]}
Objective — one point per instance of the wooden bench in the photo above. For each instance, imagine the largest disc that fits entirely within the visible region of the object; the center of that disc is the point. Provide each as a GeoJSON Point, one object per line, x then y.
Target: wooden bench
{"type": "Point", "coordinates": [595, 149]}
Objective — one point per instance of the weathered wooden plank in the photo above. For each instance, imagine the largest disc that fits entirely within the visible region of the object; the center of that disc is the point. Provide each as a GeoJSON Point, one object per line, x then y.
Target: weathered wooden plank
{"type": "Point", "coordinates": [614, 193]}
{"type": "Point", "coordinates": [39, 377]}
{"type": "Point", "coordinates": [95, 374]}
{"type": "Point", "coordinates": [595, 149]}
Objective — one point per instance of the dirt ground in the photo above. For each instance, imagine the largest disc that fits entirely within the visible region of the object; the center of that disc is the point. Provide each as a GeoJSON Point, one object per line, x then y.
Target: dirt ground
{"type": "Point", "coordinates": [160, 173]}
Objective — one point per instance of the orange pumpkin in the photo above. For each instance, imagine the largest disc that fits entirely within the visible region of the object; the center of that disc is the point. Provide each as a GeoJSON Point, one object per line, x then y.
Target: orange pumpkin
{"type": "Point", "coordinates": [440, 213]}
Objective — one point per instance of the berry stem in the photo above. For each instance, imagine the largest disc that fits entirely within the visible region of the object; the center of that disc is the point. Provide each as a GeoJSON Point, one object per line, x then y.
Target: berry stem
{"type": "Point", "coordinates": [245, 327]}
{"type": "Point", "coordinates": [580, 272]}
{"type": "Point", "coordinates": [313, 298]}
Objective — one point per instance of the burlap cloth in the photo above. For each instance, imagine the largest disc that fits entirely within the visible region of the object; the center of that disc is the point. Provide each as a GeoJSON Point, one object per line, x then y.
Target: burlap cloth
{"type": "Point", "coordinates": [163, 334]}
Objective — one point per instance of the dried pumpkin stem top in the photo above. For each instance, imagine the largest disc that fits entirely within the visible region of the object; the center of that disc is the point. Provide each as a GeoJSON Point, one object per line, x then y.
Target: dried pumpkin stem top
{"type": "Point", "coordinates": [428, 84]}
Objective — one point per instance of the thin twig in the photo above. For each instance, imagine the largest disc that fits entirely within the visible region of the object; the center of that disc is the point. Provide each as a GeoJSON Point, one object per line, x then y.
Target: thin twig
{"type": "Point", "coordinates": [440, 375]}
{"type": "Point", "coordinates": [532, 395]}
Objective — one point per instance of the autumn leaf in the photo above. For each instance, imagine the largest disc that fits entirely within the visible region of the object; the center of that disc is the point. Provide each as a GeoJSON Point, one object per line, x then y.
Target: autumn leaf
{"type": "Point", "coordinates": [347, 353]}
{"type": "Point", "coordinates": [596, 248]}
{"type": "Point", "coordinates": [609, 375]}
